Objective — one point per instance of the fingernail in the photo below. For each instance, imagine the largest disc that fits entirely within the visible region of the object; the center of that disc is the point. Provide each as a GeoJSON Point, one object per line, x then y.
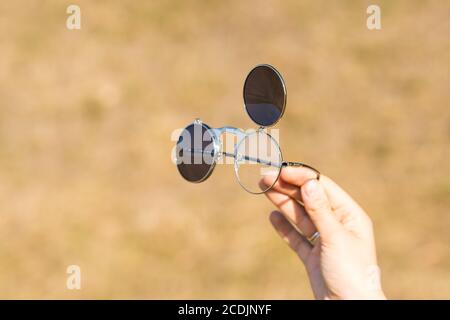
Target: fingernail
{"type": "Point", "coordinates": [311, 188]}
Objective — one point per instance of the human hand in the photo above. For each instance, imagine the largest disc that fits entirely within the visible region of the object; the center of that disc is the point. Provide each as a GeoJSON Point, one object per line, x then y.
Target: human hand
{"type": "Point", "coordinates": [342, 263]}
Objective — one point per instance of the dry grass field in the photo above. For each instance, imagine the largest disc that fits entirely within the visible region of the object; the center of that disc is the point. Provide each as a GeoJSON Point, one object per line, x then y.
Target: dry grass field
{"type": "Point", "coordinates": [86, 118]}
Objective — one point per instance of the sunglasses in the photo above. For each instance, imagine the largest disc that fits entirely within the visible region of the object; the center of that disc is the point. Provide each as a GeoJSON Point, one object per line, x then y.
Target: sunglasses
{"type": "Point", "coordinates": [257, 157]}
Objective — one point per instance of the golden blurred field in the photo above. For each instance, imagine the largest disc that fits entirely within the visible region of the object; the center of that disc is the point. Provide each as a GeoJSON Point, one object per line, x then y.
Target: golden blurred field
{"type": "Point", "coordinates": [86, 119]}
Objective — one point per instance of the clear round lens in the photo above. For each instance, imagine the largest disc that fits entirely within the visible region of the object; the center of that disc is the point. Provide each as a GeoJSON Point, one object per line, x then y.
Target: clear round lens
{"type": "Point", "coordinates": [257, 162]}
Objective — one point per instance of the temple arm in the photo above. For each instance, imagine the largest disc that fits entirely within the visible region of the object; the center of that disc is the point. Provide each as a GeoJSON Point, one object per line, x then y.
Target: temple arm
{"type": "Point", "coordinates": [299, 164]}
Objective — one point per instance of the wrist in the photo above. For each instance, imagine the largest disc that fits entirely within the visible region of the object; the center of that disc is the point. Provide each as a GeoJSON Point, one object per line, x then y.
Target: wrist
{"type": "Point", "coordinates": [372, 281]}
{"type": "Point", "coordinates": [368, 287]}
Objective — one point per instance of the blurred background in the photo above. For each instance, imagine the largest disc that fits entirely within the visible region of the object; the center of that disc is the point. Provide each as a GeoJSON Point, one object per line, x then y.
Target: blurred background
{"type": "Point", "coordinates": [86, 122]}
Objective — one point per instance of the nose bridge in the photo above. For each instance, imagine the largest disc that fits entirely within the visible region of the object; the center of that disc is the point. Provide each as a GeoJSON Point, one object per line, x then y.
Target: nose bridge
{"type": "Point", "coordinates": [235, 131]}
{"type": "Point", "coordinates": [225, 137]}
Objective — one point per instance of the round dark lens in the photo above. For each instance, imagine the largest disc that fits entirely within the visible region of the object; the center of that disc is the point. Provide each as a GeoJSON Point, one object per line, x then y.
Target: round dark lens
{"type": "Point", "coordinates": [195, 153]}
{"type": "Point", "coordinates": [264, 95]}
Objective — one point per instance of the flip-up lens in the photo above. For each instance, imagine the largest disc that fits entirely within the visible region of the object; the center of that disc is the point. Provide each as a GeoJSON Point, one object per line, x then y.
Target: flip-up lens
{"type": "Point", "coordinates": [264, 95]}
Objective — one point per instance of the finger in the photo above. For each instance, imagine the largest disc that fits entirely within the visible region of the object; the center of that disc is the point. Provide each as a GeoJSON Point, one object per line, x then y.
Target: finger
{"type": "Point", "coordinates": [295, 193]}
{"type": "Point", "coordinates": [284, 187]}
{"type": "Point", "coordinates": [338, 198]}
{"type": "Point", "coordinates": [318, 207]}
{"type": "Point", "coordinates": [293, 211]}
{"type": "Point", "coordinates": [297, 175]}
{"type": "Point", "coordinates": [288, 233]}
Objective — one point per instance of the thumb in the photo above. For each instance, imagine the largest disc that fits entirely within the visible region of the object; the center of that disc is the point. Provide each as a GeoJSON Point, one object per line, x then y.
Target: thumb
{"type": "Point", "coordinates": [318, 207]}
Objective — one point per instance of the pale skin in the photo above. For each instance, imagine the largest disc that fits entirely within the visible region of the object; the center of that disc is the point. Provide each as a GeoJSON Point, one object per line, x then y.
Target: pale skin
{"type": "Point", "coordinates": [342, 263]}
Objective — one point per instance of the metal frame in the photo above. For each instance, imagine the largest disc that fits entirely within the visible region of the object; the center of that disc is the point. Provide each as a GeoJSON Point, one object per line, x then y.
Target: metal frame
{"type": "Point", "coordinates": [241, 135]}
